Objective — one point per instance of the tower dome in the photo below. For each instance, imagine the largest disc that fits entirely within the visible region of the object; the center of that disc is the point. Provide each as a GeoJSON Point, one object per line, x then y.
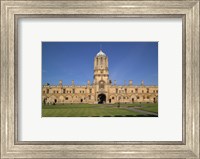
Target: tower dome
{"type": "Point", "coordinates": [101, 53]}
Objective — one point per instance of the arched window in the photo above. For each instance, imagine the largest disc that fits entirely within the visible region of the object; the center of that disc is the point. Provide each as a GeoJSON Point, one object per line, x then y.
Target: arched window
{"type": "Point", "coordinates": [101, 84]}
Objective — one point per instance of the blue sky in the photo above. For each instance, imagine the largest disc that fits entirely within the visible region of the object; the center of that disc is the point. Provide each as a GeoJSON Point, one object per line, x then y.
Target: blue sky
{"type": "Point", "coordinates": [69, 61]}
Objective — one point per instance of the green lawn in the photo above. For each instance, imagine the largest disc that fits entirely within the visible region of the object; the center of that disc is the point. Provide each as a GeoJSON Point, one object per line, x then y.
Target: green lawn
{"type": "Point", "coordinates": [89, 110]}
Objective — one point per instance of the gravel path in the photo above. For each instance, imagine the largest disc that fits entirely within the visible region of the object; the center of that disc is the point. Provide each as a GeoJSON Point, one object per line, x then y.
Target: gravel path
{"type": "Point", "coordinates": [141, 111]}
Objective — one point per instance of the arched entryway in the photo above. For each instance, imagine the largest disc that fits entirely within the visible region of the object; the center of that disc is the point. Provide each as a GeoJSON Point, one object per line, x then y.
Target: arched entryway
{"type": "Point", "coordinates": [101, 98]}
{"type": "Point", "coordinates": [154, 100]}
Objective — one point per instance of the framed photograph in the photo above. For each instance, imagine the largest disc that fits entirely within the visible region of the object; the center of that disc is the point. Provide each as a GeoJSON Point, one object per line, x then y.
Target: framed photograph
{"type": "Point", "coordinates": [99, 96]}
{"type": "Point", "coordinates": [100, 79]}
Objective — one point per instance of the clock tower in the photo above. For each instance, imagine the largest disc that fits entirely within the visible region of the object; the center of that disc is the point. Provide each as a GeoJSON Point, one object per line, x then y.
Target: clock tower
{"type": "Point", "coordinates": [101, 74]}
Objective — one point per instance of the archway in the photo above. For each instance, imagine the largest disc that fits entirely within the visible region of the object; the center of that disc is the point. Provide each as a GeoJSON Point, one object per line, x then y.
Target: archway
{"type": "Point", "coordinates": [101, 98]}
{"type": "Point", "coordinates": [154, 100]}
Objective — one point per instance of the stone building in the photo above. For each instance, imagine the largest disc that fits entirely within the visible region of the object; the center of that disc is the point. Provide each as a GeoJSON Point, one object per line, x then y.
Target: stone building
{"type": "Point", "coordinates": [102, 90]}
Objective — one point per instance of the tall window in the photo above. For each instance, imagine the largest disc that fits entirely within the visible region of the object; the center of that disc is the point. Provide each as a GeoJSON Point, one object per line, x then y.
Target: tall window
{"type": "Point", "coordinates": [73, 91]}
{"type": "Point", "coordinates": [116, 90]}
{"type": "Point", "coordinates": [101, 84]}
{"type": "Point", "coordinates": [90, 90]}
{"type": "Point", "coordinates": [63, 90]}
{"type": "Point", "coordinates": [125, 90]}
{"type": "Point", "coordinates": [136, 90]}
{"type": "Point", "coordinates": [47, 91]}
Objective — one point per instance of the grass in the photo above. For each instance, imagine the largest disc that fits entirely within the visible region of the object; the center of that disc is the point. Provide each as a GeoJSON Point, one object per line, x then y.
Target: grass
{"type": "Point", "coordinates": [90, 110]}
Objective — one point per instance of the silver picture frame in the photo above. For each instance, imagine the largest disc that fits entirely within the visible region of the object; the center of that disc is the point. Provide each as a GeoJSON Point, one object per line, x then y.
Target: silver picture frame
{"type": "Point", "coordinates": [13, 10]}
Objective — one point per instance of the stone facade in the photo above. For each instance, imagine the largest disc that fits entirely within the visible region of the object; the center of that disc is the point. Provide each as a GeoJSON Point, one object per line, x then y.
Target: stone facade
{"type": "Point", "coordinates": [102, 90]}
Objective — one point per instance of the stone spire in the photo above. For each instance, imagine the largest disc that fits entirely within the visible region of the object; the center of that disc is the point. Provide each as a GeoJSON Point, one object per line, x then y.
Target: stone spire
{"type": "Point", "coordinates": [88, 82]}
{"type": "Point", "coordinates": [142, 83]}
{"type": "Point", "coordinates": [60, 83]}
{"type": "Point", "coordinates": [130, 82]}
